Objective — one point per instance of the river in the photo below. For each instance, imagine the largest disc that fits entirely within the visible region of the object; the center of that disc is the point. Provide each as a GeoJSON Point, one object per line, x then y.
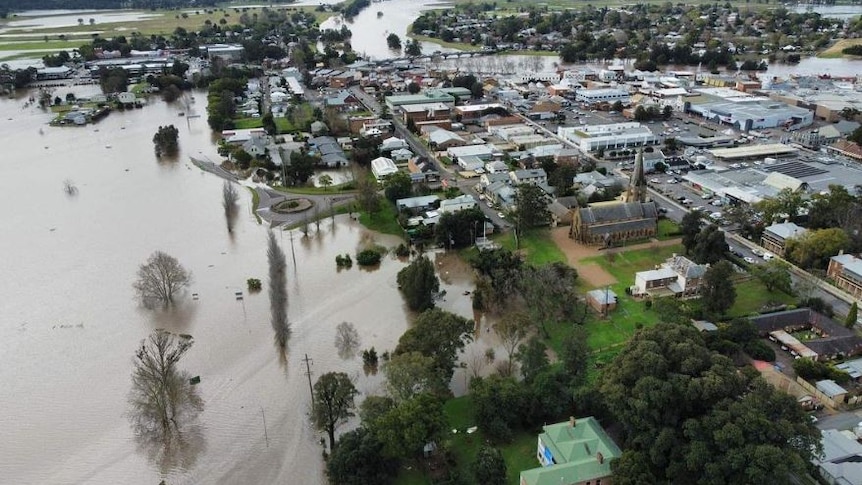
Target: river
{"type": "Point", "coordinates": [69, 325]}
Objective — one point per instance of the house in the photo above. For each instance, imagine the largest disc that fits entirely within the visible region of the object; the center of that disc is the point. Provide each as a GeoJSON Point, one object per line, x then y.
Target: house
{"type": "Point", "coordinates": [417, 205]}
{"type": "Point", "coordinates": [577, 452]}
{"type": "Point", "coordinates": [496, 167]}
{"type": "Point", "coordinates": [704, 326]}
{"type": "Point", "coordinates": [678, 276]}
{"type": "Point", "coordinates": [255, 146]}
{"type": "Point", "coordinates": [383, 167]}
{"type": "Point", "coordinates": [331, 153]}
{"type": "Point", "coordinates": [833, 339]}
{"type": "Point", "coordinates": [606, 223]}
{"type": "Point", "coordinates": [502, 194]}
{"type": "Point", "coordinates": [774, 238]}
{"type": "Point", "coordinates": [422, 171]}
{"type": "Point", "coordinates": [534, 177]}
{"type": "Point", "coordinates": [240, 136]}
{"type": "Point", "coordinates": [602, 300]}
{"type": "Point", "coordinates": [462, 202]}
{"type": "Point", "coordinates": [488, 179]}
{"type": "Point", "coordinates": [841, 461]}
{"type": "Point", "coordinates": [393, 143]}
{"type": "Point", "coordinates": [592, 182]}
{"type": "Point", "coordinates": [342, 100]}
{"type": "Point", "coordinates": [846, 271]}
{"type": "Point", "coordinates": [471, 163]}
{"type": "Point", "coordinates": [401, 154]}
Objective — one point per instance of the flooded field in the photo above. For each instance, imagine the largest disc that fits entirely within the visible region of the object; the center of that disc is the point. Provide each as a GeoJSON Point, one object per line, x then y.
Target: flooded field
{"type": "Point", "coordinates": [70, 325]}
{"type": "Point", "coordinates": [40, 20]}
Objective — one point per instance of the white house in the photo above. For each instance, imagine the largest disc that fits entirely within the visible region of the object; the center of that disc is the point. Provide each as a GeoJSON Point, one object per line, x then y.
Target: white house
{"type": "Point", "coordinates": [393, 143]}
{"type": "Point", "coordinates": [459, 203]}
{"type": "Point", "coordinates": [533, 176]}
{"type": "Point", "coordinates": [678, 276]}
{"type": "Point", "coordinates": [383, 167]}
{"type": "Point", "coordinates": [401, 154]}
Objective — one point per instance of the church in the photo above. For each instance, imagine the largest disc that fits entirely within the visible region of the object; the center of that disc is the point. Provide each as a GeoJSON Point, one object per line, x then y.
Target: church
{"type": "Point", "coordinates": [610, 223]}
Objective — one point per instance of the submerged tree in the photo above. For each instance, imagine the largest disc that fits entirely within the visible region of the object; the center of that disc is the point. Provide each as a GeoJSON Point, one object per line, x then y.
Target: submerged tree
{"type": "Point", "coordinates": [278, 292]}
{"type": "Point", "coordinates": [162, 397]}
{"type": "Point", "coordinates": [346, 340]}
{"type": "Point", "coordinates": [160, 278]}
{"type": "Point", "coordinates": [166, 140]}
{"type": "Point", "coordinates": [230, 196]}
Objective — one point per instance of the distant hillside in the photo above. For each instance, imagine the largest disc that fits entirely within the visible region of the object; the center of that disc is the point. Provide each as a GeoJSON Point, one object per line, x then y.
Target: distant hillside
{"type": "Point", "coordinates": [18, 5]}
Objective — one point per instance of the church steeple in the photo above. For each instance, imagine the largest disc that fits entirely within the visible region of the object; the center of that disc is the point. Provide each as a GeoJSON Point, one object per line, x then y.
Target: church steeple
{"type": "Point", "coordinates": [637, 190]}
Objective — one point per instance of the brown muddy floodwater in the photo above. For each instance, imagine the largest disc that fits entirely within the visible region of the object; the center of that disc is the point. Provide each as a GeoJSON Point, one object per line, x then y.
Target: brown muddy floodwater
{"type": "Point", "coordinates": [69, 324]}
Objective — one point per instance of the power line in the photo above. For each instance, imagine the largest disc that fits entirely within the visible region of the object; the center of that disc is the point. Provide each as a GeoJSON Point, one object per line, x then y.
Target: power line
{"type": "Point", "coordinates": [308, 363]}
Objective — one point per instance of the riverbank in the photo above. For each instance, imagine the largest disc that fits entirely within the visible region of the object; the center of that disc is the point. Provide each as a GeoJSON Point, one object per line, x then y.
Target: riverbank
{"type": "Point", "coordinates": [834, 51]}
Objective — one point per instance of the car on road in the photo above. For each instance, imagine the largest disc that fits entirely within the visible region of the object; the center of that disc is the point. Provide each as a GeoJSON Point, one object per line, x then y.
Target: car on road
{"type": "Point", "coordinates": [768, 256]}
{"type": "Point", "coordinates": [749, 259]}
{"type": "Point", "coordinates": [654, 181]}
{"type": "Point", "coordinates": [501, 215]}
{"type": "Point", "coordinates": [757, 252]}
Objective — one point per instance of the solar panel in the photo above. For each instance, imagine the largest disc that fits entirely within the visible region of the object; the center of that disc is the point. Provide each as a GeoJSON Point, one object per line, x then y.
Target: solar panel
{"type": "Point", "coordinates": [795, 169]}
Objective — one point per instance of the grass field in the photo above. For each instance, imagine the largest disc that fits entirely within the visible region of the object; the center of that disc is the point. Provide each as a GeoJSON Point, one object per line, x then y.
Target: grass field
{"type": "Point", "coordinates": [835, 50]}
{"type": "Point", "coordinates": [536, 245]}
{"type": "Point", "coordinates": [384, 221]}
{"type": "Point", "coordinates": [667, 229]}
{"type": "Point", "coordinates": [751, 296]}
{"type": "Point", "coordinates": [519, 454]}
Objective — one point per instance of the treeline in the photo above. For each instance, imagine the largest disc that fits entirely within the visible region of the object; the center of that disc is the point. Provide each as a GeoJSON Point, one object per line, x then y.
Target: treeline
{"type": "Point", "coordinates": [17, 5]}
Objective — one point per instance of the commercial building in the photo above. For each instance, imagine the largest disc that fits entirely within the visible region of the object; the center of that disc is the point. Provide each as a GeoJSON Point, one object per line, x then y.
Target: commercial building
{"type": "Point", "coordinates": [846, 271]}
{"type": "Point", "coordinates": [227, 52]}
{"type": "Point", "coordinates": [576, 452]}
{"type": "Point", "coordinates": [774, 238]}
{"type": "Point", "coordinates": [602, 95]}
{"type": "Point", "coordinates": [746, 112]}
{"type": "Point", "coordinates": [48, 73]}
{"type": "Point", "coordinates": [425, 97]}
{"type": "Point", "coordinates": [602, 137]}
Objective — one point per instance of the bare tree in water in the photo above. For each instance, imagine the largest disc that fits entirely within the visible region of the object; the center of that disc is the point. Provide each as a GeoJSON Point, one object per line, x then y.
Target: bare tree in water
{"type": "Point", "coordinates": [162, 398]}
{"type": "Point", "coordinates": [230, 196]}
{"type": "Point", "coordinates": [346, 340]}
{"type": "Point", "coordinates": [164, 403]}
{"type": "Point", "coordinates": [69, 187]}
{"type": "Point", "coordinates": [278, 292]}
{"type": "Point", "coordinates": [160, 278]}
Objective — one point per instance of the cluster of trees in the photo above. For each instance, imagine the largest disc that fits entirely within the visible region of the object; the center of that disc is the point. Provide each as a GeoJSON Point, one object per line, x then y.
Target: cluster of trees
{"type": "Point", "coordinates": [459, 229]}
{"type": "Point", "coordinates": [113, 80]}
{"type": "Point", "coordinates": [419, 284]}
{"type": "Point", "coordinates": [705, 244]}
{"type": "Point", "coordinates": [650, 113]}
{"type": "Point", "coordinates": [687, 414]}
{"type": "Point", "coordinates": [813, 370]}
{"type": "Point", "coordinates": [853, 50]}
{"type": "Point", "coordinates": [395, 427]}
{"type": "Point", "coordinates": [166, 140]}
{"type": "Point", "coordinates": [221, 107]}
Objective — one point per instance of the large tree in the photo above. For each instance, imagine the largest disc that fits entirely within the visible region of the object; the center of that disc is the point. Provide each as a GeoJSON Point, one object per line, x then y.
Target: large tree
{"type": "Point", "coordinates": [406, 428]}
{"type": "Point", "coordinates": [531, 207]}
{"type": "Point", "coordinates": [718, 293]}
{"type": "Point", "coordinates": [359, 460]}
{"type": "Point", "coordinates": [688, 415]}
{"type": "Point", "coordinates": [459, 229]}
{"type": "Point", "coordinates": [690, 228]}
{"type": "Point", "coordinates": [489, 467]}
{"type": "Point", "coordinates": [814, 248]}
{"type": "Point", "coordinates": [163, 401]}
{"type": "Point", "coordinates": [440, 335]}
{"type": "Point", "coordinates": [160, 278]}
{"type": "Point", "coordinates": [166, 140]}
{"type": "Point", "coordinates": [774, 274]}
{"type": "Point", "coordinates": [512, 329]}
{"type": "Point", "coordinates": [785, 205]}
{"type": "Point", "coordinates": [333, 403]}
{"type": "Point", "coordinates": [710, 245]}
{"type": "Point", "coordinates": [408, 374]}
{"type": "Point", "coordinates": [418, 283]}
{"type": "Point", "coordinates": [398, 186]}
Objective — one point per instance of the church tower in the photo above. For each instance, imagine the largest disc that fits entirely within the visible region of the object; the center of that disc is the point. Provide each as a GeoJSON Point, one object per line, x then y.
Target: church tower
{"type": "Point", "coordinates": [637, 190]}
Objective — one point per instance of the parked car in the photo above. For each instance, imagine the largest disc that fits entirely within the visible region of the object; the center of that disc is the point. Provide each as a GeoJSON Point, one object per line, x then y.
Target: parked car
{"type": "Point", "coordinates": [768, 256]}
{"type": "Point", "coordinates": [749, 259]}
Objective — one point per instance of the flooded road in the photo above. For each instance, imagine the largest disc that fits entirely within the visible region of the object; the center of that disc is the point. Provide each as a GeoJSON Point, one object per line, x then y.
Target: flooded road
{"type": "Point", "coordinates": [69, 324]}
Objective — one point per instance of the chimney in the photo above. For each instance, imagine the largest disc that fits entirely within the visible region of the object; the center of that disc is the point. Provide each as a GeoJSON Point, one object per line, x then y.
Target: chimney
{"type": "Point", "coordinates": [840, 252]}
{"type": "Point", "coordinates": [572, 421]}
{"type": "Point", "coordinates": [600, 457]}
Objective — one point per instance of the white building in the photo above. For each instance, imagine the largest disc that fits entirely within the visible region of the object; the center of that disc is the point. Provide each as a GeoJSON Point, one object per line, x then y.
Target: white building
{"type": "Point", "coordinates": [383, 167]}
{"type": "Point", "coordinates": [602, 95]}
{"type": "Point", "coordinates": [601, 137]}
{"type": "Point", "coordinates": [228, 52]}
{"type": "Point", "coordinates": [678, 276]}
{"type": "Point", "coordinates": [462, 202]}
{"type": "Point", "coordinates": [534, 176]}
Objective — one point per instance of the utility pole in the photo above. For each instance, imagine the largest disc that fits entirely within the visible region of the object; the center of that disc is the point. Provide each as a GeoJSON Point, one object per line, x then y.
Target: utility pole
{"type": "Point", "coordinates": [308, 363]}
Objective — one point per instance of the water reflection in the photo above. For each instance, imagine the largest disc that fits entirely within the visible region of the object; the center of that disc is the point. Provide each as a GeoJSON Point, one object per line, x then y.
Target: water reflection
{"type": "Point", "coordinates": [347, 340]}
{"type": "Point", "coordinates": [174, 318]}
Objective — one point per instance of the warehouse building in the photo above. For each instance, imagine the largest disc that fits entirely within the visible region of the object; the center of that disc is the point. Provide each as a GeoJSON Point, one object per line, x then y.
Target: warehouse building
{"type": "Point", "coordinates": [747, 112]}
{"type": "Point", "coordinates": [602, 137]}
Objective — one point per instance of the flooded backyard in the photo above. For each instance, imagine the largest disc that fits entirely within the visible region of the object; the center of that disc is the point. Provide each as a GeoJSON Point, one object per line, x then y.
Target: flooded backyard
{"type": "Point", "coordinates": [69, 326]}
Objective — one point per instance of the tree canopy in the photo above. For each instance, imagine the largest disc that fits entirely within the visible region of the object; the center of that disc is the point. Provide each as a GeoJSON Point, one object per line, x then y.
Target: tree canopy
{"type": "Point", "coordinates": [440, 335]}
{"type": "Point", "coordinates": [688, 415]}
{"type": "Point", "coordinates": [718, 293]}
{"type": "Point", "coordinates": [419, 284]}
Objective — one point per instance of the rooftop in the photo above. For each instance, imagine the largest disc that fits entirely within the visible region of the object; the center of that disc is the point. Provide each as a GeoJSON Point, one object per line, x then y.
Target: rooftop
{"type": "Point", "coordinates": [786, 230]}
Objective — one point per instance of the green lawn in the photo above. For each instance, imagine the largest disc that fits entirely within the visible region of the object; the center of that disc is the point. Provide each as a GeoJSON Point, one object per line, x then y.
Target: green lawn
{"type": "Point", "coordinates": [536, 244]}
{"type": "Point", "coordinates": [385, 220]}
{"type": "Point", "coordinates": [520, 454]}
{"type": "Point", "coordinates": [284, 125]}
{"type": "Point", "coordinates": [751, 296]}
{"type": "Point", "coordinates": [247, 123]}
{"type": "Point", "coordinates": [667, 229]}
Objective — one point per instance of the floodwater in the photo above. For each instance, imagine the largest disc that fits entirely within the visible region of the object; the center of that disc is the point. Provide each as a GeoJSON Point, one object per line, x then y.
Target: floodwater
{"type": "Point", "coordinates": [70, 19]}
{"type": "Point", "coordinates": [370, 31]}
{"type": "Point", "coordinates": [842, 12]}
{"type": "Point", "coordinates": [69, 323]}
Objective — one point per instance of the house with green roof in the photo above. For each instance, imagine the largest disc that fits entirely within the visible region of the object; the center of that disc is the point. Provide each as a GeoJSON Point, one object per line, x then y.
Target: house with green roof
{"type": "Point", "coordinates": [576, 452]}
